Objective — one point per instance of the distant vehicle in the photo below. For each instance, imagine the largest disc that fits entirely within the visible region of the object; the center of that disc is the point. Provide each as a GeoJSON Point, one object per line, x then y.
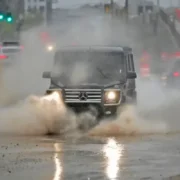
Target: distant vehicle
{"type": "Point", "coordinates": [145, 69]}
{"type": "Point", "coordinates": [167, 61]}
{"type": "Point", "coordinates": [50, 47]}
{"type": "Point", "coordinates": [47, 42]}
{"type": "Point", "coordinates": [99, 76]}
{"type": "Point", "coordinates": [171, 78]}
{"type": "Point", "coordinates": [10, 51]}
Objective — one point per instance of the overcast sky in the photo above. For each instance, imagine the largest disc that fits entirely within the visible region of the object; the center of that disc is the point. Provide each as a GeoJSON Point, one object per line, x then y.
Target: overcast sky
{"type": "Point", "coordinates": [75, 3]}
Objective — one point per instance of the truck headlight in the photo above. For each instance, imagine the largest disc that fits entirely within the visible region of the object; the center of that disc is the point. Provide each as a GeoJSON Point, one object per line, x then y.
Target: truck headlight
{"type": "Point", "coordinates": [112, 97]}
{"type": "Point", "coordinates": [50, 47]}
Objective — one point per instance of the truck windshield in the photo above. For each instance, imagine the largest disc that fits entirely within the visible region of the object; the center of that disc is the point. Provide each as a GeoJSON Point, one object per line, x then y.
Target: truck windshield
{"type": "Point", "coordinates": [111, 63]}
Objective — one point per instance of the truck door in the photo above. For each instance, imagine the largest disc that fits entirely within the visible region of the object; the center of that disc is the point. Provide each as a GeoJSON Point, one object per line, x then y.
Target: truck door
{"type": "Point", "coordinates": [131, 85]}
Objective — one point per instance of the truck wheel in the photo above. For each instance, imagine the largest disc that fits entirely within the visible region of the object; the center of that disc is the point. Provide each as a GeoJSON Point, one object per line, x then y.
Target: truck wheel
{"type": "Point", "coordinates": [134, 98]}
{"type": "Point", "coordinates": [123, 101]}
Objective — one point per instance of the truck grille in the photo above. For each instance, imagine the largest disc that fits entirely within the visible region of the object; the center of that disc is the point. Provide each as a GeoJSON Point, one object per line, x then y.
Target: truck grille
{"type": "Point", "coordinates": [83, 95]}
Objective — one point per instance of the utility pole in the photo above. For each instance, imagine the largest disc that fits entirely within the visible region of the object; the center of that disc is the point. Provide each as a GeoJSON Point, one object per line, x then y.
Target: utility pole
{"type": "Point", "coordinates": [126, 8]}
{"type": "Point", "coordinates": [143, 11]}
{"type": "Point", "coordinates": [48, 12]}
{"type": "Point", "coordinates": [157, 16]}
{"type": "Point", "coordinates": [3, 5]}
{"type": "Point", "coordinates": [171, 4]}
{"type": "Point", "coordinates": [158, 5]}
{"type": "Point", "coordinates": [112, 7]}
{"type": "Point", "coordinates": [3, 8]}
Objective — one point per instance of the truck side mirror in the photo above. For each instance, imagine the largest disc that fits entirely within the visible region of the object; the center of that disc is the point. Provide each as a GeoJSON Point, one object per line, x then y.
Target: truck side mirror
{"type": "Point", "coordinates": [131, 75]}
{"type": "Point", "coordinates": [46, 74]}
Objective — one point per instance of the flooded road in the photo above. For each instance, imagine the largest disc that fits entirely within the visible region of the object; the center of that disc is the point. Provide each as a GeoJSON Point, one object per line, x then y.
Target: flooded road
{"type": "Point", "coordinates": [151, 157]}
{"type": "Point", "coordinates": [147, 139]}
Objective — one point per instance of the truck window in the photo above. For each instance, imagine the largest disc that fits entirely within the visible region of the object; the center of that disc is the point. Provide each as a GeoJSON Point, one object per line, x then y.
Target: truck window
{"type": "Point", "coordinates": [130, 66]}
{"type": "Point", "coordinates": [132, 62]}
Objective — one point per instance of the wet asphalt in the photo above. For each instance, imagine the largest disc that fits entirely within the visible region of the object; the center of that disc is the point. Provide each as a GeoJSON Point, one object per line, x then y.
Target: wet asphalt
{"type": "Point", "coordinates": [153, 157]}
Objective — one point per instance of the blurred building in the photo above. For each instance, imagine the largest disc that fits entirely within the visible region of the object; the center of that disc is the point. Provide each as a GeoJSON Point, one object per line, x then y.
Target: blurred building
{"type": "Point", "coordinates": [135, 6]}
{"type": "Point", "coordinates": [34, 5]}
{"type": "Point", "coordinates": [23, 6]}
{"type": "Point", "coordinates": [56, 4]}
{"type": "Point", "coordinates": [42, 6]}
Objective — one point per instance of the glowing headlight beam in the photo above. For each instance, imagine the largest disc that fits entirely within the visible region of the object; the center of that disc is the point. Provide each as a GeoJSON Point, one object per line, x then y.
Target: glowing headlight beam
{"type": "Point", "coordinates": [50, 48]}
{"type": "Point", "coordinates": [111, 95]}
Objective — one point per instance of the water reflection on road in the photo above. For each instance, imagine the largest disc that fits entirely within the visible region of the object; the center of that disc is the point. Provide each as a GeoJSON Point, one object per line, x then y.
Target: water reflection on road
{"type": "Point", "coordinates": [113, 153]}
{"type": "Point", "coordinates": [57, 162]}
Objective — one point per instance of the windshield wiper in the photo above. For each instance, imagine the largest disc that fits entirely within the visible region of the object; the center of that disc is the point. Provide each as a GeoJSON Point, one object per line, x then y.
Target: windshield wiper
{"type": "Point", "coordinates": [102, 73]}
{"type": "Point", "coordinates": [109, 76]}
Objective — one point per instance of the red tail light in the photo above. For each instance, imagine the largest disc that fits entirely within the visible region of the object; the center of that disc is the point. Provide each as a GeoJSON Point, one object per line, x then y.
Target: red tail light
{"type": "Point", "coordinates": [22, 47]}
{"type": "Point", "coordinates": [145, 66]}
{"type": "Point", "coordinates": [176, 74]}
{"type": "Point", "coordinates": [2, 56]}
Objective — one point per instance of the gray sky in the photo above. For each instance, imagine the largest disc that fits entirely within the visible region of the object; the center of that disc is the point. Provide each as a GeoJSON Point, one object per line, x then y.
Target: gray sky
{"type": "Point", "coordinates": [75, 3]}
{"type": "Point", "coordinates": [167, 3]}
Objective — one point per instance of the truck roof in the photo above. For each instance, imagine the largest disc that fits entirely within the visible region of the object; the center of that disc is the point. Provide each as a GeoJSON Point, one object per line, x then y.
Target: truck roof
{"type": "Point", "coordinates": [95, 48]}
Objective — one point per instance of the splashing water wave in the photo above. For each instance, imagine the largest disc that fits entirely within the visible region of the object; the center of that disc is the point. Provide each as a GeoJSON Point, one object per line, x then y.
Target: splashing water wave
{"type": "Point", "coordinates": [128, 123]}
